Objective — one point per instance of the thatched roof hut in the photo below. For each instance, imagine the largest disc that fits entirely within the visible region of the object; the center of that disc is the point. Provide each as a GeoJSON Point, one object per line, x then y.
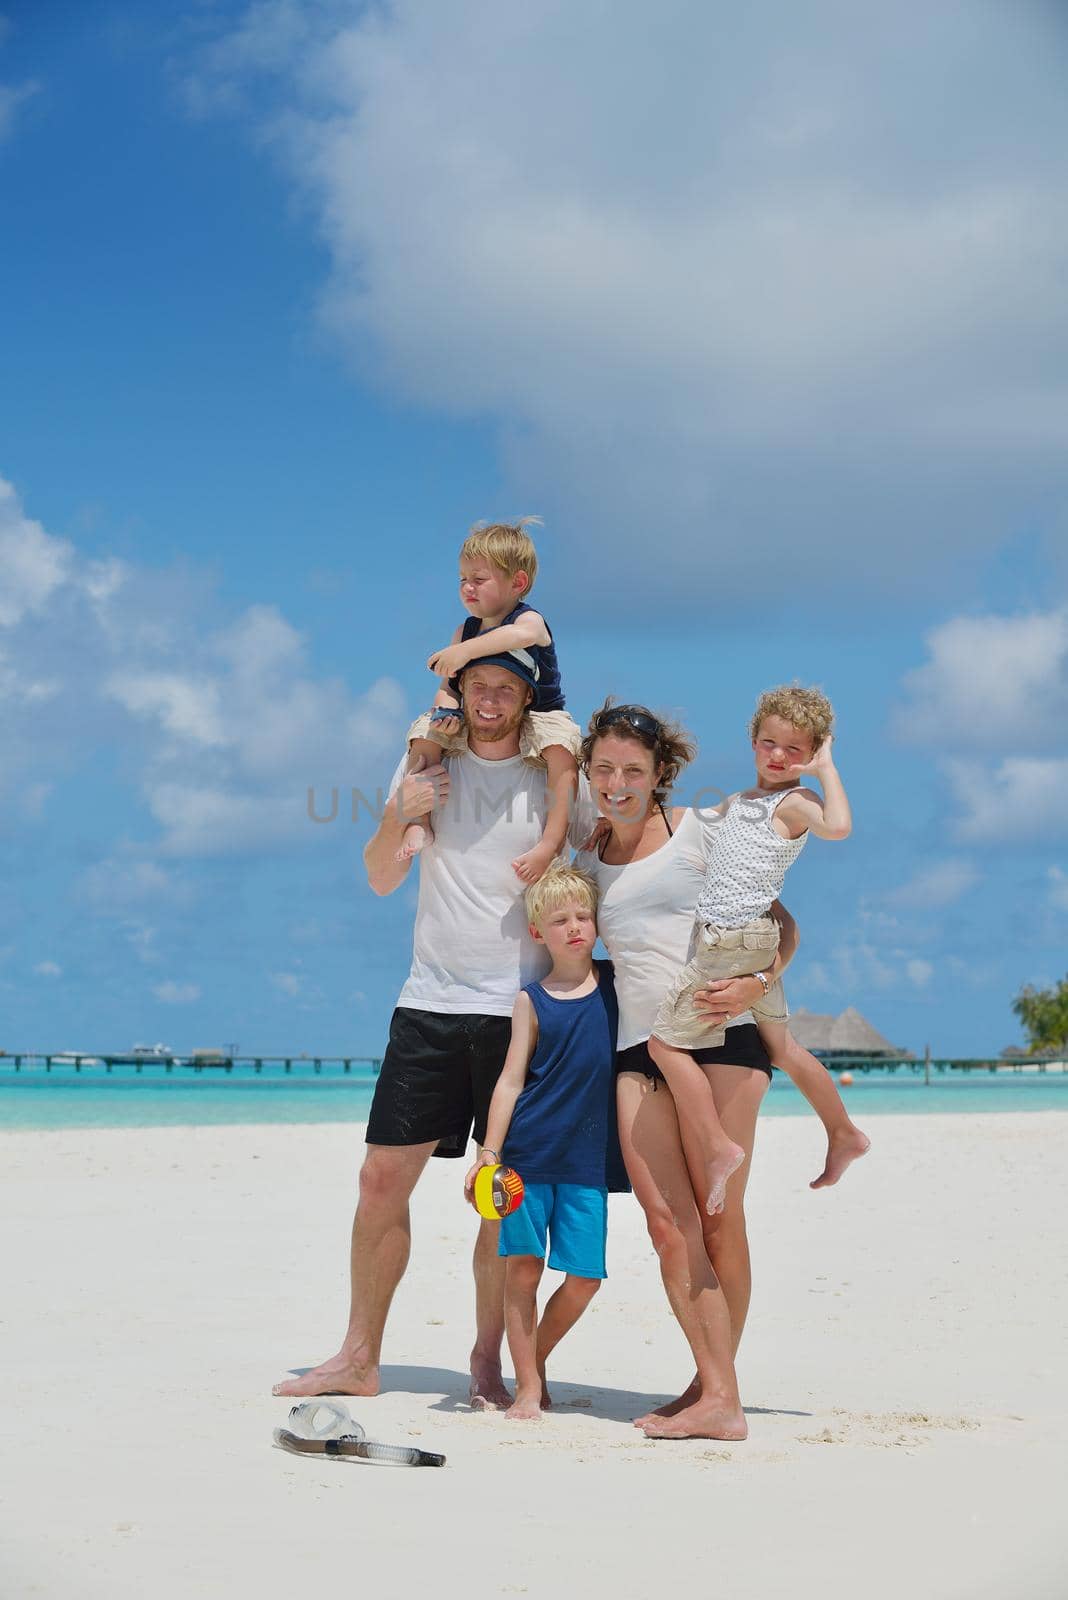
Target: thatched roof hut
{"type": "Point", "coordinates": [847, 1035]}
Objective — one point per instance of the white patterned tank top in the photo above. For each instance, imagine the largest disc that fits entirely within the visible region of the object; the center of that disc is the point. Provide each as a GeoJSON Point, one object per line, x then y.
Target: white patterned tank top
{"type": "Point", "coordinates": [747, 862]}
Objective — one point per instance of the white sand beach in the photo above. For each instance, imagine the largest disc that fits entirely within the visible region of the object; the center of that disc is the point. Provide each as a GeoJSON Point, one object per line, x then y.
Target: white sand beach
{"type": "Point", "coordinates": [903, 1371]}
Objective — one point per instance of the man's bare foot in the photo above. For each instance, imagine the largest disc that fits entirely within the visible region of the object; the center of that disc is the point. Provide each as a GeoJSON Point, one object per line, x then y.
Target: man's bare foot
{"type": "Point", "coordinates": [727, 1161]}
{"type": "Point", "coordinates": [487, 1391]}
{"type": "Point", "coordinates": [546, 1397]}
{"type": "Point", "coordinates": [843, 1147]}
{"type": "Point", "coordinates": [524, 1408]}
{"type": "Point", "coordinates": [707, 1419]}
{"type": "Point", "coordinates": [532, 863]}
{"type": "Point", "coordinates": [687, 1398]}
{"type": "Point", "coordinates": [339, 1375]}
{"type": "Point", "coordinates": [415, 837]}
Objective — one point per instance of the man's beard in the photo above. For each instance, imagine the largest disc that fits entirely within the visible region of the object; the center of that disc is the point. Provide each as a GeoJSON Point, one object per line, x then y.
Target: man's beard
{"type": "Point", "coordinates": [493, 732]}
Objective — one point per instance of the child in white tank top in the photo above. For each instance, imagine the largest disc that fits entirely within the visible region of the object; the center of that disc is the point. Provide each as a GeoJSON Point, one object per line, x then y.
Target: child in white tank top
{"type": "Point", "coordinates": [763, 831]}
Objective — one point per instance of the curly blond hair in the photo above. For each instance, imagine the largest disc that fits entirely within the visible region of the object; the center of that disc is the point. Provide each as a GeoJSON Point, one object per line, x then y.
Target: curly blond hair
{"type": "Point", "coordinates": [807, 709]}
{"type": "Point", "coordinates": [559, 885]}
{"type": "Point", "coordinates": [506, 545]}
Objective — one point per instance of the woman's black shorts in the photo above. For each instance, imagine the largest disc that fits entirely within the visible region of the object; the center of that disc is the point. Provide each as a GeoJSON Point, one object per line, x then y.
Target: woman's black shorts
{"type": "Point", "coordinates": [437, 1078]}
{"type": "Point", "coordinates": [743, 1048]}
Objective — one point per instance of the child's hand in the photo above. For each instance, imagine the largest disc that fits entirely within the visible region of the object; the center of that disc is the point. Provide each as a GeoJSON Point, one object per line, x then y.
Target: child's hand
{"type": "Point", "coordinates": [448, 662]}
{"type": "Point", "coordinates": [821, 761]}
{"type": "Point", "coordinates": [484, 1160]}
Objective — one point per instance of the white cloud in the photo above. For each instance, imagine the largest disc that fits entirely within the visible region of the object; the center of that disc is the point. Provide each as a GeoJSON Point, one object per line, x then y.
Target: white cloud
{"type": "Point", "coordinates": [48, 969]}
{"type": "Point", "coordinates": [938, 884]}
{"type": "Point", "coordinates": [183, 707]}
{"type": "Point", "coordinates": [118, 884]}
{"type": "Point", "coordinates": [857, 966]}
{"type": "Point", "coordinates": [991, 680]}
{"type": "Point", "coordinates": [33, 564]}
{"type": "Point", "coordinates": [992, 699]}
{"type": "Point", "coordinates": [220, 721]}
{"type": "Point", "coordinates": [1058, 888]}
{"type": "Point", "coordinates": [12, 97]}
{"type": "Point", "coordinates": [1019, 800]}
{"type": "Point", "coordinates": [698, 262]}
{"type": "Point", "coordinates": [176, 994]}
{"type": "Point", "coordinates": [287, 982]}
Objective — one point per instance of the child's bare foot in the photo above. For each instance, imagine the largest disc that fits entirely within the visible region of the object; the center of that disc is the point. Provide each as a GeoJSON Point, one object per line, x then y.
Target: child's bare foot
{"type": "Point", "coordinates": [844, 1146]}
{"type": "Point", "coordinates": [706, 1419]}
{"type": "Point", "coordinates": [726, 1161]}
{"type": "Point", "coordinates": [526, 1407]}
{"type": "Point", "coordinates": [415, 837]}
{"type": "Point", "coordinates": [487, 1391]}
{"type": "Point", "coordinates": [533, 863]}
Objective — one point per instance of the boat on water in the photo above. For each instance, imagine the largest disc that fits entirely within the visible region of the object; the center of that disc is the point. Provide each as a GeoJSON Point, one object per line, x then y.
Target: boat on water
{"type": "Point", "coordinates": [144, 1052]}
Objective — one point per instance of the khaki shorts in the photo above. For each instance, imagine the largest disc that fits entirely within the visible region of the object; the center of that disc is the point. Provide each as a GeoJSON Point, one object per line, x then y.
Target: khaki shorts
{"type": "Point", "coordinates": [537, 731]}
{"type": "Point", "coordinates": [720, 953]}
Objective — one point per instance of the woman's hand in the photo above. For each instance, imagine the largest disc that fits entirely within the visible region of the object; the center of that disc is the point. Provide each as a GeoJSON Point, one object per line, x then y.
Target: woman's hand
{"type": "Point", "coordinates": [600, 831]}
{"type": "Point", "coordinates": [726, 998]}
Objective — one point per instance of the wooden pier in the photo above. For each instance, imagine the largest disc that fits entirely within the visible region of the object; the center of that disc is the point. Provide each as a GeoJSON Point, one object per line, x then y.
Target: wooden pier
{"type": "Point", "coordinates": [366, 1066]}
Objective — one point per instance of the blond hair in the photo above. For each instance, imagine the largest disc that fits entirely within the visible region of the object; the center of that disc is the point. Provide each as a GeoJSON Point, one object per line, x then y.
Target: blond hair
{"type": "Point", "coordinates": [506, 545]}
{"type": "Point", "coordinates": [807, 709]}
{"type": "Point", "coordinates": [559, 885]}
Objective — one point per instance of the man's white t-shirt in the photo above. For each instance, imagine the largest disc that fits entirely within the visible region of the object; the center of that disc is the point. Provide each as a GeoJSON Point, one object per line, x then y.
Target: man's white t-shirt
{"type": "Point", "coordinates": [472, 949]}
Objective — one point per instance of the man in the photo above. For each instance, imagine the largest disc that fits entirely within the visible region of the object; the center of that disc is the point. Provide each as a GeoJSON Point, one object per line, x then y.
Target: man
{"type": "Point", "coordinates": [449, 1034]}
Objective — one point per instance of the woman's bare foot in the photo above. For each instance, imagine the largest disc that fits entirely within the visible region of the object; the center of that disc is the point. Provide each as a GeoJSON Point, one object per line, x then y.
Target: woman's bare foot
{"type": "Point", "coordinates": [525, 1408]}
{"type": "Point", "coordinates": [726, 1161]}
{"type": "Point", "coordinates": [340, 1375]}
{"type": "Point", "coordinates": [532, 863]}
{"type": "Point", "coordinates": [706, 1419]}
{"type": "Point", "coordinates": [844, 1146]}
{"type": "Point", "coordinates": [415, 837]}
{"type": "Point", "coordinates": [687, 1398]}
{"type": "Point", "coordinates": [487, 1391]}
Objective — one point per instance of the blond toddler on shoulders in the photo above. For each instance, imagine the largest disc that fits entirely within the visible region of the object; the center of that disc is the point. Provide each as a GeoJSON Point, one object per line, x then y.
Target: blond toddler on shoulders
{"type": "Point", "coordinates": [498, 565]}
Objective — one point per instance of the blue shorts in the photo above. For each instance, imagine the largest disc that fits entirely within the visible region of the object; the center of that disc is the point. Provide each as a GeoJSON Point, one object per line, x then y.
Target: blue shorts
{"type": "Point", "coordinates": [572, 1216]}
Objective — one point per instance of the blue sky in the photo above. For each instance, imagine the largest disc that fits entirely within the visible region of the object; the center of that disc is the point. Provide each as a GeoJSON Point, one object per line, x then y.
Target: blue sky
{"type": "Point", "coordinates": [762, 312]}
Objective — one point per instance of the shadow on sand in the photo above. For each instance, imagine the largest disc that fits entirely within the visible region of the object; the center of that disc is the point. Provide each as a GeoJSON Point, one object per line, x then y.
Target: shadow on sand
{"type": "Point", "coordinates": [614, 1405]}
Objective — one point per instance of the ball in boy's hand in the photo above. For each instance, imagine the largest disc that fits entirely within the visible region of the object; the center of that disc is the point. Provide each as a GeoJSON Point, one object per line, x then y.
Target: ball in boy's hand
{"type": "Point", "coordinates": [498, 1192]}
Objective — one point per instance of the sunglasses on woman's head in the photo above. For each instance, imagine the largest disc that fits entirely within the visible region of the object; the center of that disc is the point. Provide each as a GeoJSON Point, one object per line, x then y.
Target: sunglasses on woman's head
{"type": "Point", "coordinates": [640, 721]}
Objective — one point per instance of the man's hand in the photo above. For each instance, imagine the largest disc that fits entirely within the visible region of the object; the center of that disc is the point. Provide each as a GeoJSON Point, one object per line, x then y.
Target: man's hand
{"type": "Point", "coordinates": [423, 790]}
{"type": "Point", "coordinates": [726, 998]}
{"type": "Point", "coordinates": [484, 1160]}
{"type": "Point", "coordinates": [448, 662]}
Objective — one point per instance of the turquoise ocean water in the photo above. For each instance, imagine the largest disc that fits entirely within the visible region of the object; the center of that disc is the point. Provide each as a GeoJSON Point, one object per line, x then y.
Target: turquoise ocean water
{"type": "Point", "coordinates": [127, 1099]}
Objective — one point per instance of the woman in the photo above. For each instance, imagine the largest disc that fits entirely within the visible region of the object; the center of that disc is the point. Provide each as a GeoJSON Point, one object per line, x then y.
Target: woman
{"type": "Point", "coordinates": [649, 869]}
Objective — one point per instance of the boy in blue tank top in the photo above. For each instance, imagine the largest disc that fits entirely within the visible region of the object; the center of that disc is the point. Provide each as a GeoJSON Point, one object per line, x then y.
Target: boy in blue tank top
{"type": "Point", "coordinates": [553, 1119]}
{"type": "Point", "coordinates": [498, 565]}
